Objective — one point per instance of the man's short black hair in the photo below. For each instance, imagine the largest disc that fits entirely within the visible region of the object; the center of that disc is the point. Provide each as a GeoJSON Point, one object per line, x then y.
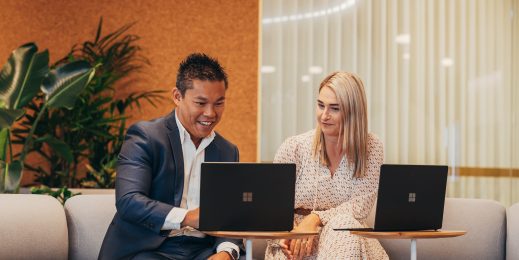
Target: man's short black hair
{"type": "Point", "coordinates": [199, 66]}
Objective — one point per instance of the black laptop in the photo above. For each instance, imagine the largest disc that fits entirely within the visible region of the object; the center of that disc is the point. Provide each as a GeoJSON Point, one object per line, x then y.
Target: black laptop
{"type": "Point", "coordinates": [410, 198]}
{"type": "Point", "coordinates": [247, 196]}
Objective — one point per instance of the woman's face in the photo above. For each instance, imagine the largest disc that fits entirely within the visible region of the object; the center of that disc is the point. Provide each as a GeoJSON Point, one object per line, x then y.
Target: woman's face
{"type": "Point", "coordinates": [328, 113]}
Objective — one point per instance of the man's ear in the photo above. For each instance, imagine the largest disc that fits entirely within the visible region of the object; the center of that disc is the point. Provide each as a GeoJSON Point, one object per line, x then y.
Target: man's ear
{"type": "Point", "coordinates": [177, 96]}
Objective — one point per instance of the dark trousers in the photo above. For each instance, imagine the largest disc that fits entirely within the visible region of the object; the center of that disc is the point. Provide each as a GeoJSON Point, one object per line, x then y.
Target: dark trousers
{"type": "Point", "coordinates": [179, 248]}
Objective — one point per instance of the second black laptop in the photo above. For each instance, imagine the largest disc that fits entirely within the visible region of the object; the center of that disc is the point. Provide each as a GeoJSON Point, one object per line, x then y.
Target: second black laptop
{"type": "Point", "coordinates": [410, 198]}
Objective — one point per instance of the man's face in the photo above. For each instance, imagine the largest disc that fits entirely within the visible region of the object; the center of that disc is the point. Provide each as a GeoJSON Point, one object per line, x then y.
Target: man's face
{"type": "Point", "coordinates": [201, 107]}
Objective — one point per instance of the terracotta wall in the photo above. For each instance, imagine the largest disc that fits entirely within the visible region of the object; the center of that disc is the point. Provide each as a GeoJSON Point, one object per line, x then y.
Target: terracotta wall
{"type": "Point", "coordinates": [170, 30]}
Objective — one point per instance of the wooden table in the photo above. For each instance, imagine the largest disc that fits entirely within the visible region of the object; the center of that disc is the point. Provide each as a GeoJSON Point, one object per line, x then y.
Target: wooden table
{"type": "Point", "coordinates": [413, 235]}
{"type": "Point", "coordinates": [249, 235]}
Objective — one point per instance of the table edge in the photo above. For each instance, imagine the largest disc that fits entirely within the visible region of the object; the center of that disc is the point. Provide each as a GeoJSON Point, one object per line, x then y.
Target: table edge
{"type": "Point", "coordinates": [410, 234]}
{"type": "Point", "coordinates": [260, 234]}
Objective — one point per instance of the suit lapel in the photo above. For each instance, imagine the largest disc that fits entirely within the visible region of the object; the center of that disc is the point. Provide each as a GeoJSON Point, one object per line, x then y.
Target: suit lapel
{"type": "Point", "coordinates": [178, 157]}
{"type": "Point", "coordinates": [211, 152]}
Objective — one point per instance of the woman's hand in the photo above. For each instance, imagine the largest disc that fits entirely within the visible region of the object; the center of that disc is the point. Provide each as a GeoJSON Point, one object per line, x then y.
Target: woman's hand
{"type": "Point", "coordinates": [299, 248]}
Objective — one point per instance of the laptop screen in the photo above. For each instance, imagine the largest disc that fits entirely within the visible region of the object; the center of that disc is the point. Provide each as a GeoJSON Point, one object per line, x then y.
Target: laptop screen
{"type": "Point", "coordinates": [410, 197]}
{"type": "Point", "coordinates": [247, 196]}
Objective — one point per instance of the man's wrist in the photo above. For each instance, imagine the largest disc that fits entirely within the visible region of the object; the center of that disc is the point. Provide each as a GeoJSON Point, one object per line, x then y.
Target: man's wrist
{"type": "Point", "coordinates": [228, 254]}
{"type": "Point", "coordinates": [190, 219]}
{"type": "Point", "coordinates": [232, 253]}
{"type": "Point", "coordinates": [229, 248]}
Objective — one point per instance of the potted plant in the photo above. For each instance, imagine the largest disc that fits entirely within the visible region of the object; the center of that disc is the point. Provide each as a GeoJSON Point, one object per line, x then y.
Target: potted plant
{"type": "Point", "coordinates": [26, 75]}
{"type": "Point", "coordinates": [90, 134]}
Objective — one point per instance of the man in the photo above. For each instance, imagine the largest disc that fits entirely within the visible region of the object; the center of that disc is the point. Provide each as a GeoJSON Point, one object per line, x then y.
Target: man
{"type": "Point", "coordinates": [158, 173]}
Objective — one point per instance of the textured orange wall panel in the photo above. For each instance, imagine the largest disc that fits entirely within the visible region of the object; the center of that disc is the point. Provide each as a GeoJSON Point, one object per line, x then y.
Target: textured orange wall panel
{"type": "Point", "coordinates": [170, 30]}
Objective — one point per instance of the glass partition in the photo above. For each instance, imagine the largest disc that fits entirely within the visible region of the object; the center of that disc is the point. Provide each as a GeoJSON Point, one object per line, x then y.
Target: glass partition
{"type": "Point", "coordinates": [440, 76]}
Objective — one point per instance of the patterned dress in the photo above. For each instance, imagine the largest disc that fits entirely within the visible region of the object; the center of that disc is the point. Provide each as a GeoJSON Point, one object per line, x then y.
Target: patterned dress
{"type": "Point", "coordinates": [339, 201]}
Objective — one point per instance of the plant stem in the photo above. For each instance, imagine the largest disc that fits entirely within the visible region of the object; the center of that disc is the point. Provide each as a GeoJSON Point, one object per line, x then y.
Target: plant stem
{"type": "Point", "coordinates": [10, 145]}
{"type": "Point", "coordinates": [74, 172]}
{"type": "Point", "coordinates": [31, 133]}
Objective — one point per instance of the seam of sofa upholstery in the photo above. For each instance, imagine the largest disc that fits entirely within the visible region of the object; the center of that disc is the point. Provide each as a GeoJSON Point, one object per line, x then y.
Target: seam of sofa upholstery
{"type": "Point", "coordinates": [73, 242]}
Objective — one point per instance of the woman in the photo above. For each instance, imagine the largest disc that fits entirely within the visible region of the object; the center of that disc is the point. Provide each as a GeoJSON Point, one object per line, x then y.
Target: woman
{"type": "Point", "coordinates": [338, 168]}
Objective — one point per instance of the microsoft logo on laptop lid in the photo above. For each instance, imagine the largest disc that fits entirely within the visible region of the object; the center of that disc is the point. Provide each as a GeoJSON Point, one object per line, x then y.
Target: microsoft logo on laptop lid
{"type": "Point", "coordinates": [247, 197]}
{"type": "Point", "coordinates": [412, 197]}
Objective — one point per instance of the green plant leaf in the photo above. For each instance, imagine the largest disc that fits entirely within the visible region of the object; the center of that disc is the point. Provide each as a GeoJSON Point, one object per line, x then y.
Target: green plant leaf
{"type": "Point", "coordinates": [4, 140]}
{"type": "Point", "coordinates": [62, 194]}
{"type": "Point", "coordinates": [21, 76]}
{"type": "Point", "coordinates": [41, 190]}
{"type": "Point", "coordinates": [2, 176]}
{"type": "Point", "coordinates": [8, 116]}
{"type": "Point", "coordinates": [63, 85]}
{"type": "Point", "coordinates": [66, 193]}
{"type": "Point", "coordinates": [12, 173]}
{"type": "Point", "coordinates": [60, 147]}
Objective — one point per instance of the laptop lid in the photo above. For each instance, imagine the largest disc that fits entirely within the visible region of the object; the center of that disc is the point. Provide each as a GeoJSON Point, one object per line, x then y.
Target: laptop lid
{"type": "Point", "coordinates": [247, 196]}
{"type": "Point", "coordinates": [410, 197]}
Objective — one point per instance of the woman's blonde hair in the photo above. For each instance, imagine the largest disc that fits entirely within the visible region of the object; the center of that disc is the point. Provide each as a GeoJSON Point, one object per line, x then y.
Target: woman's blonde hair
{"type": "Point", "coordinates": [353, 131]}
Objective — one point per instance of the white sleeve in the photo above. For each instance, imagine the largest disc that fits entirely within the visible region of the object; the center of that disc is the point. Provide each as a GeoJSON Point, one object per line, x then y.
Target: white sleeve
{"type": "Point", "coordinates": [174, 219]}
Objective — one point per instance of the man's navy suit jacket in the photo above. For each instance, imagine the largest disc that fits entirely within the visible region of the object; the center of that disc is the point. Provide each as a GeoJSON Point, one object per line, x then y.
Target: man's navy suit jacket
{"type": "Point", "coordinates": [149, 183]}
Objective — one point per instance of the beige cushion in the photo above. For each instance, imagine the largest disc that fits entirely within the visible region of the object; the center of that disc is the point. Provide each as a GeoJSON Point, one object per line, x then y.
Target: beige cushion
{"type": "Point", "coordinates": [88, 218]}
{"type": "Point", "coordinates": [512, 234]}
{"type": "Point", "coordinates": [484, 221]}
{"type": "Point", "coordinates": [32, 227]}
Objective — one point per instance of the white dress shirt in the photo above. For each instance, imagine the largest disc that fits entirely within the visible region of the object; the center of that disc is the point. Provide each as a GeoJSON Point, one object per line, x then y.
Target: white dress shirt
{"type": "Point", "coordinates": [193, 158]}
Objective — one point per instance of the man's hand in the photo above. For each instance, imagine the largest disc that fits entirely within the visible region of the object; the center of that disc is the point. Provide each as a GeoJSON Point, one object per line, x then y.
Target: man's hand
{"type": "Point", "coordinates": [299, 248]}
{"type": "Point", "coordinates": [192, 218]}
{"type": "Point", "coordinates": [220, 256]}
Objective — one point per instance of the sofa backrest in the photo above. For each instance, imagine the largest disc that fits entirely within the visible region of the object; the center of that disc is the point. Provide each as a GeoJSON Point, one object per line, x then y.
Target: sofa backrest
{"type": "Point", "coordinates": [35, 227]}
{"type": "Point", "coordinates": [484, 221]}
{"type": "Point", "coordinates": [512, 232]}
{"type": "Point", "coordinates": [32, 227]}
{"type": "Point", "coordinates": [88, 217]}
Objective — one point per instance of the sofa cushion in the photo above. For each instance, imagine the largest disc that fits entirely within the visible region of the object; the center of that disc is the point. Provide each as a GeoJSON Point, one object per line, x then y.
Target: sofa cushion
{"type": "Point", "coordinates": [32, 227]}
{"type": "Point", "coordinates": [512, 233]}
{"type": "Point", "coordinates": [484, 221]}
{"type": "Point", "coordinates": [88, 217]}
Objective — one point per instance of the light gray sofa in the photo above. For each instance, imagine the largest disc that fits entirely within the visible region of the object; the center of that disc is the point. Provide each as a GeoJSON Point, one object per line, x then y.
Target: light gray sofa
{"type": "Point", "coordinates": [38, 227]}
{"type": "Point", "coordinates": [32, 227]}
{"type": "Point", "coordinates": [512, 232]}
{"type": "Point", "coordinates": [484, 221]}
